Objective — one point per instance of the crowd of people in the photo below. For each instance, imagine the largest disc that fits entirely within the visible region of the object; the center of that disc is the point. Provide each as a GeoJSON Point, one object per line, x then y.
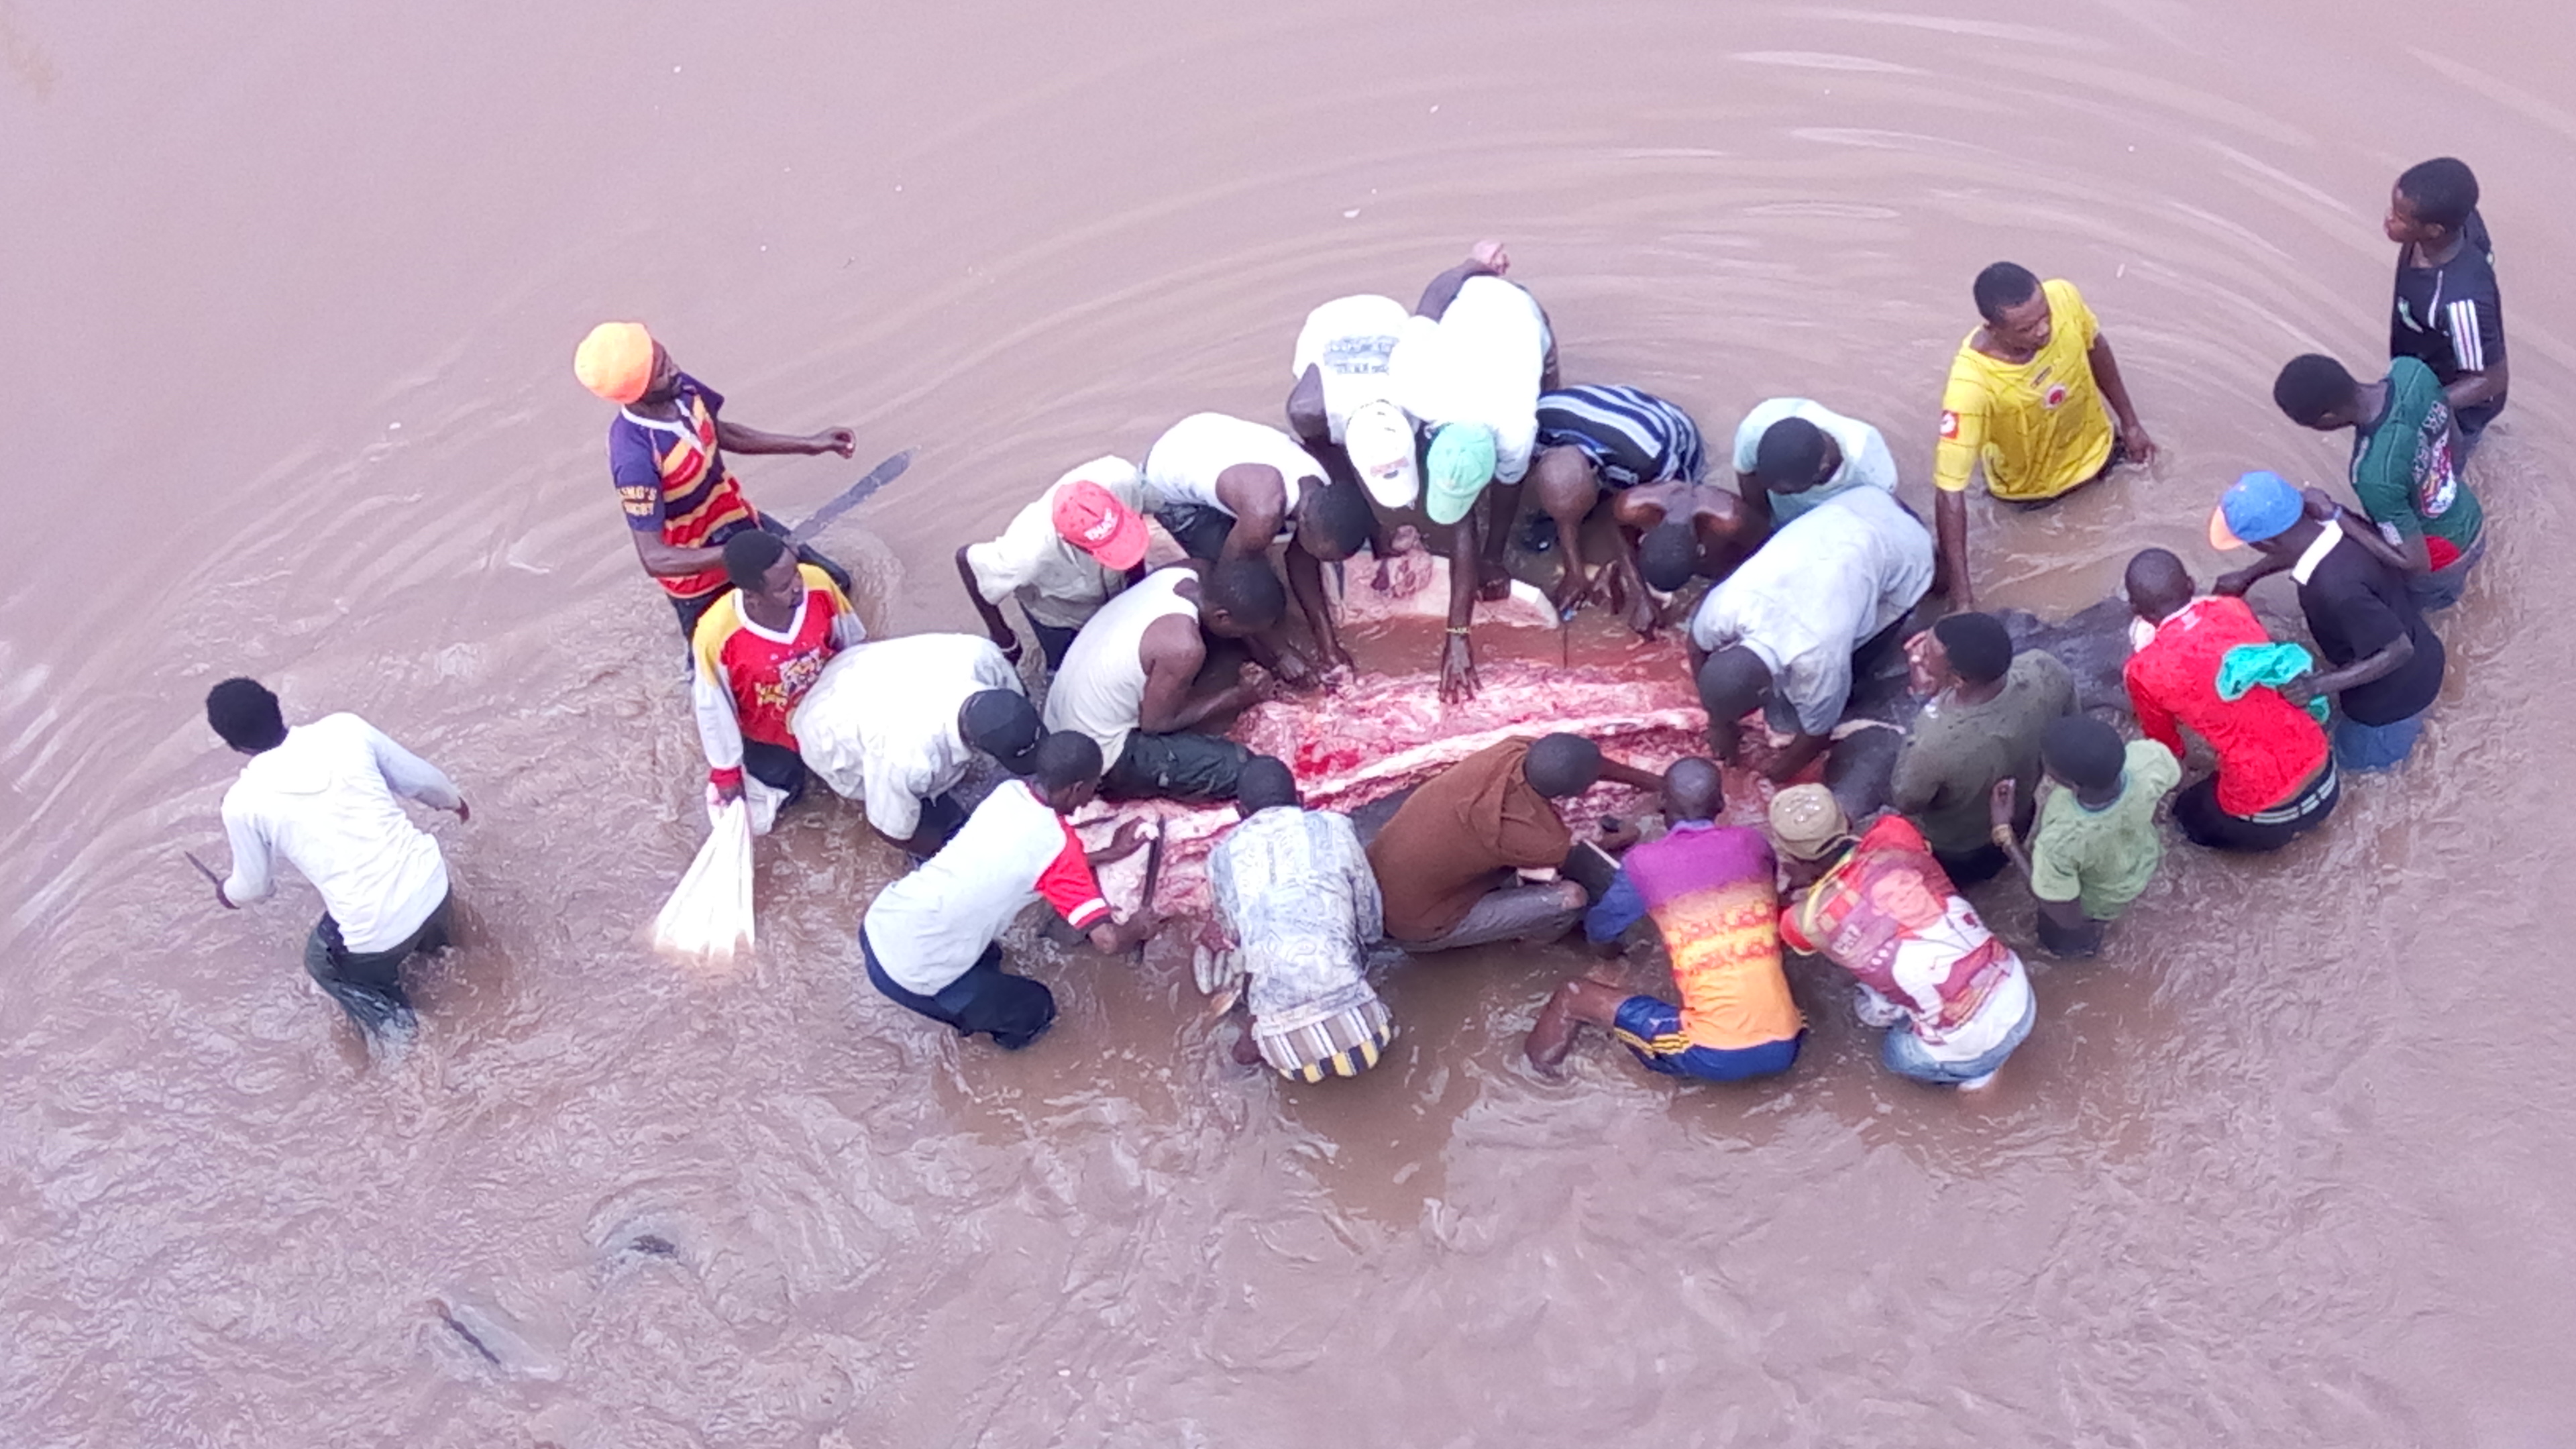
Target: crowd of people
{"type": "Point", "coordinates": [1445, 427]}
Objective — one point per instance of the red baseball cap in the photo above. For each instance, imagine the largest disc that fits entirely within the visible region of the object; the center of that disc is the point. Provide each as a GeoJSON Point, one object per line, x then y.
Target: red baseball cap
{"type": "Point", "coordinates": [1092, 519]}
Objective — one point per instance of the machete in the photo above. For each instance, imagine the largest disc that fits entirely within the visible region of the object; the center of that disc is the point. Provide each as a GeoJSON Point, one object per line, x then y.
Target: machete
{"type": "Point", "coordinates": [1153, 876]}
{"type": "Point", "coordinates": [856, 494]}
{"type": "Point", "coordinates": [204, 869]}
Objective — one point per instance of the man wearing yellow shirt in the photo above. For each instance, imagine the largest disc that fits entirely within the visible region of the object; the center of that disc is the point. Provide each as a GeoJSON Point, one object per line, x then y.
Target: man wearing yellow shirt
{"type": "Point", "coordinates": [2026, 398]}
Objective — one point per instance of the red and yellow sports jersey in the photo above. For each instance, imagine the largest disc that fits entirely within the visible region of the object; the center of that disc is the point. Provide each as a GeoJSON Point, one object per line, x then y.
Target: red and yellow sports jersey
{"type": "Point", "coordinates": [750, 679]}
{"type": "Point", "coordinates": [2040, 426]}
{"type": "Point", "coordinates": [672, 479]}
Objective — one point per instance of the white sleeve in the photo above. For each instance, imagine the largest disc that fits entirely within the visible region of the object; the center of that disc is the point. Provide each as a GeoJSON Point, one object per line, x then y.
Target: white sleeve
{"type": "Point", "coordinates": [1748, 438]}
{"type": "Point", "coordinates": [409, 775]}
{"type": "Point", "coordinates": [847, 631]}
{"type": "Point", "coordinates": [1712, 625]}
{"type": "Point", "coordinates": [892, 796]}
{"type": "Point", "coordinates": [1871, 463]}
{"type": "Point", "coordinates": [719, 731]}
{"type": "Point", "coordinates": [1818, 686]}
{"type": "Point", "coordinates": [254, 866]}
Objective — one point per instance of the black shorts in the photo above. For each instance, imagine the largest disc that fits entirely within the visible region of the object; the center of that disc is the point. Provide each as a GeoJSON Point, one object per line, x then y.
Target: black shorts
{"type": "Point", "coordinates": [1181, 766]}
{"type": "Point", "coordinates": [2196, 810]}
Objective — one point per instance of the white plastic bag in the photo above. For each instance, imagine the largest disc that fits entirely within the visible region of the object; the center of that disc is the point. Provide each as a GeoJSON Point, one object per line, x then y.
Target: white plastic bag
{"type": "Point", "coordinates": [709, 915]}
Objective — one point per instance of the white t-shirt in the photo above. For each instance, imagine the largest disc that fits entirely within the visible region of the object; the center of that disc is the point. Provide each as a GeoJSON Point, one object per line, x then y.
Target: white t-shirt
{"type": "Point", "coordinates": [1480, 363]}
{"type": "Point", "coordinates": [1816, 591]}
{"type": "Point", "coordinates": [1058, 584]}
{"type": "Point", "coordinates": [325, 799]}
{"type": "Point", "coordinates": [1101, 688]}
{"type": "Point", "coordinates": [880, 726]}
{"type": "Point", "coordinates": [1350, 342]}
{"type": "Point", "coordinates": [1183, 465]}
{"type": "Point", "coordinates": [930, 926]}
{"type": "Point", "coordinates": [1866, 461]}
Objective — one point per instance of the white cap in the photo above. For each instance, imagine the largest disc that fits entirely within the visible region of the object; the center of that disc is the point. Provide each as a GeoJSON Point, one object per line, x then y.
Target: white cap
{"type": "Point", "coordinates": [1379, 439]}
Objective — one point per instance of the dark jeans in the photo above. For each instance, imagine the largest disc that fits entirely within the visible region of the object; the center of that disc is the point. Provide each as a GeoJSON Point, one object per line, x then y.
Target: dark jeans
{"type": "Point", "coordinates": [776, 766]}
{"type": "Point", "coordinates": [1976, 867]}
{"type": "Point", "coordinates": [2203, 823]}
{"type": "Point", "coordinates": [1052, 642]}
{"type": "Point", "coordinates": [1013, 1010]}
{"type": "Point", "coordinates": [368, 984]}
{"type": "Point", "coordinates": [692, 610]}
{"type": "Point", "coordinates": [1180, 766]}
{"type": "Point", "coordinates": [1197, 528]}
{"type": "Point", "coordinates": [2084, 940]}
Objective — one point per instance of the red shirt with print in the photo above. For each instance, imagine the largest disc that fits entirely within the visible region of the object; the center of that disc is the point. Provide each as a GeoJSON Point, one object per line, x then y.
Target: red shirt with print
{"type": "Point", "coordinates": [2267, 747]}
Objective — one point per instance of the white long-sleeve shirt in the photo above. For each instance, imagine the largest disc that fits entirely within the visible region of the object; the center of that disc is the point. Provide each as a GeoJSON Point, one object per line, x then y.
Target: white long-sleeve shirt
{"type": "Point", "coordinates": [325, 799]}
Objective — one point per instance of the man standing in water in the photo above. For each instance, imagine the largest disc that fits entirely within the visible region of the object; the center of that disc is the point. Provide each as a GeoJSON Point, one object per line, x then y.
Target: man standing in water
{"type": "Point", "coordinates": [323, 796]}
{"type": "Point", "coordinates": [1986, 710]}
{"type": "Point", "coordinates": [2276, 778]}
{"type": "Point", "coordinates": [932, 940]}
{"type": "Point", "coordinates": [2405, 467]}
{"type": "Point", "coordinates": [2385, 663]}
{"type": "Point", "coordinates": [758, 650]}
{"type": "Point", "coordinates": [1710, 890]}
{"type": "Point", "coordinates": [2447, 312]}
{"type": "Point", "coordinates": [2025, 400]}
{"type": "Point", "coordinates": [666, 454]}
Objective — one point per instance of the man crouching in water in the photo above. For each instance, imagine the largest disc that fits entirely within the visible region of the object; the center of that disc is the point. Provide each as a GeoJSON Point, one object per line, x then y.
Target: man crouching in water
{"type": "Point", "coordinates": [1710, 890]}
{"type": "Point", "coordinates": [1298, 902]}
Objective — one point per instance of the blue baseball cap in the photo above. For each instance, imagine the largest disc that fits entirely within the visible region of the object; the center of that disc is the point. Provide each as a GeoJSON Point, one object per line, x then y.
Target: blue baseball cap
{"type": "Point", "coordinates": [2260, 505]}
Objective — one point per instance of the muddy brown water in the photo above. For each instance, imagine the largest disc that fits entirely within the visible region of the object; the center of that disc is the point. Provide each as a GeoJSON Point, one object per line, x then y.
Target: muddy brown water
{"type": "Point", "coordinates": [292, 291]}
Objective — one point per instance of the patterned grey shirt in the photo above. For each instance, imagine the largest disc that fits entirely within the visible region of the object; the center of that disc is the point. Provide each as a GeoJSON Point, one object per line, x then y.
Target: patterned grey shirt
{"type": "Point", "coordinates": [1294, 890]}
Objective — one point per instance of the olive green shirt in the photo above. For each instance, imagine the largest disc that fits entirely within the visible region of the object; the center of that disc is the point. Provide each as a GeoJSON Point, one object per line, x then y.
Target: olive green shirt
{"type": "Point", "coordinates": [1956, 752]}
{"type": "Point", "coordinates": [2103, 858]}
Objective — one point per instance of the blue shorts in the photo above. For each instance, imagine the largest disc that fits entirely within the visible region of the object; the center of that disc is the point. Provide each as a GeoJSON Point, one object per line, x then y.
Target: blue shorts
{"type": "Point", "coordinates": [1652, 1028]}
{"type": "Point", "coordinates": [2358, 746]}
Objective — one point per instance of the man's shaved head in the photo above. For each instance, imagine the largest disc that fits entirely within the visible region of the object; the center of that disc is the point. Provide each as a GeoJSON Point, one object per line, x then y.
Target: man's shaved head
{"type": "Point", "coordinates": [1733, 683]}
{"type": "Point", "coordinates": [1693, 790]}
{"type": "Point", "coordinates": [2157, 584]}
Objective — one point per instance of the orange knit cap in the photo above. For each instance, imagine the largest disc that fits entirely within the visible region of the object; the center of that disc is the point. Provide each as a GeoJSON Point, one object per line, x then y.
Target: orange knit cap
{"type": "Point", "coordinates": [615, 361]}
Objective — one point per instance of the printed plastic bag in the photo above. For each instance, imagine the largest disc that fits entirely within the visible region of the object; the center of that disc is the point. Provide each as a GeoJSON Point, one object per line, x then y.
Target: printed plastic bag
{"type": "Point", "coordinates": [709, 915]}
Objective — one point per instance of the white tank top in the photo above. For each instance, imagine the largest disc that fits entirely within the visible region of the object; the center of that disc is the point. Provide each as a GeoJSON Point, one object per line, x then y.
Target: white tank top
{"type": "Point", "coordinates": [1185, 461]}
{"type": "Point", "coordinates": [1101, 688]}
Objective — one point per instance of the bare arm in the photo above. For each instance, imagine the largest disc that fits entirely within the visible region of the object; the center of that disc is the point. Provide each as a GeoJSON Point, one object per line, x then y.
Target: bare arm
{"type": "Point", "coordinates": [997, 628]}
{"type": "Point", "coordinates": [1801, 751]}
{"type": "Point", "coordinates": [2115, 391]}
{"type": "Point", "coordinates": [2361, 671]}
{"type": "Point", "coordinates": [1457, 655]}
{"type": "Point", "coordinates": [1950, 530]}
{"type": "Point", "coordinates": [1306, 583]}
{"type": "Point", "coordinates": [663, 561]}
{"type": "Point", "coordinates": [1173, 655]}
{"type": "Point", "coordinates": [1258, 498]}
{"type": "Point", "coordinates": [735, 438]}
{"type": "Point", "coordinates": [1619, 773]}
{"type": "Point", "coordinates": [2473, 388]}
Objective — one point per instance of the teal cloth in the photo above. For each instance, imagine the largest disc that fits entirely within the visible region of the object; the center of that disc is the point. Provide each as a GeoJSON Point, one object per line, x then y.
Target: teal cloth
{"type": "Point", "coordinates": [2250, 665]}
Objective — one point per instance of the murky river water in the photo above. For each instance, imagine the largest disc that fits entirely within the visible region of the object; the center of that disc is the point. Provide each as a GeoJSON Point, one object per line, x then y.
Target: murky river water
{"type": "Point", "coordinates": [292, 289]}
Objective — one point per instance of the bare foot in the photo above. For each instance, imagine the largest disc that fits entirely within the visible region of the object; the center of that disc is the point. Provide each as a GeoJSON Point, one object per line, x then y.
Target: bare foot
{"type": "Point", "coordinates": [1553, 1036]}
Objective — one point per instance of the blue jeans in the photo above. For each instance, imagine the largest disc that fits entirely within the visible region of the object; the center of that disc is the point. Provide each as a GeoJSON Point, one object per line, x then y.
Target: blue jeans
{"type": "Point", "coordinates": [2443, 587]}
{"type": "Point", "coordinates": [1903, 1053]}
{"type": "Point", "coordinates": [2375, 747]}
